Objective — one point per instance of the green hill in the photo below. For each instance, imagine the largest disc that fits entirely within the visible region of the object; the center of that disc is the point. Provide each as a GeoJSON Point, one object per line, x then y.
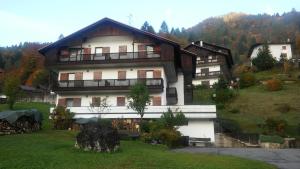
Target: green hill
{"type": "Point", "coordinates": [253, 105]}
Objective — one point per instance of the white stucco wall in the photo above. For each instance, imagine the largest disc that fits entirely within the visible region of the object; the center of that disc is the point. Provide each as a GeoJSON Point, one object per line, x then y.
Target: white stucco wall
{"type": "Point", "coordinates": [180, 88]}
{"type": "Point", "coordinates": [199, 128]}
{"type": "Point", "coordinates": [276, 50]}
{"type": "Point", "coordinates": [110, 41]}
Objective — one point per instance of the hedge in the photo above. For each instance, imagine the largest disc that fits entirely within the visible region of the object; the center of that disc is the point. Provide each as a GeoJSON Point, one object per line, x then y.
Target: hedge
{"type": "Point", "coordinates": [271, 139]}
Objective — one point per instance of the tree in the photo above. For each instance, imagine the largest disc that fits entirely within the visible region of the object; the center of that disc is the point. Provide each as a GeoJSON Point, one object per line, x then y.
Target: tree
{"type": "Point", "coordinates": [164, 28]}
{"type": "Point", "coordinates": [12, 89]}
{"type": "Point", "coordinates": [147, 27]}
{"type": "Point", "coordinates": [139, 98]}
{"type": "Point", "coordinates": [264, 59]}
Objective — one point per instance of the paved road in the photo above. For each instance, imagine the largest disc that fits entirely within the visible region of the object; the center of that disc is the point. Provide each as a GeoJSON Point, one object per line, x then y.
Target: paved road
{"type": "Point", "coordinates": [283, 158]}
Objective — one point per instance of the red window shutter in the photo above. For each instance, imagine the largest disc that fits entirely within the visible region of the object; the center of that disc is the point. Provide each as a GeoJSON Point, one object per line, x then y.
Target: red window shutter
{"type": "Point", "coordinates": [156, 101]}
{"type": "Point", "coordinates": [157, 74]}
{"type": "Point", "coordinates": [87, 51]}
{"type": "Point", "coordinates": [142, 51]}
{"type": "Point", "coordinates": [120, 101]}
{"type": "Point", "coordinates": [121, 74]}
{"type": "Point", "coordinates": [78, 75]}
{"type": "Point", "coordinates": [141, 74]}
{"type": "Point", "coordinates": [64, 76]}
{"type": "Point", "coordinates": [61, 102]}
{"type": "Point", "coordinates": [77, 102]}
{"type": "Point", "coordinates": [105, 49]}
{"type": "Point", "coordinates": [157, 49]}
{"type": "Point", "coordinates": [97, 75]}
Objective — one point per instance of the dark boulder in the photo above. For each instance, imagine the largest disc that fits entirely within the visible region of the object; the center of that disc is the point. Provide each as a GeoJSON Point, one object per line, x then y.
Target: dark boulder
{"type": "Point", "coordinates": [97, 137]}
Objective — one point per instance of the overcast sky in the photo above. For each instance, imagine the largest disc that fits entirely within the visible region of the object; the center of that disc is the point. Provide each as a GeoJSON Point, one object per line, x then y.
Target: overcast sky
{"type": "Point", "coordinates": [44, 21]}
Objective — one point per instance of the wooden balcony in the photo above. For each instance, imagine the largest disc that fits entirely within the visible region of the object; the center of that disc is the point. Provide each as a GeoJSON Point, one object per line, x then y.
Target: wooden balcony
{"type": "Point", "coordinates": [109, 85]}
{"type": "Point", "coordinates": [100, 58]}
{"type": "Point", "coordinates": [208, 62]}
{"type": "Point", "coordinates": [213, 74]}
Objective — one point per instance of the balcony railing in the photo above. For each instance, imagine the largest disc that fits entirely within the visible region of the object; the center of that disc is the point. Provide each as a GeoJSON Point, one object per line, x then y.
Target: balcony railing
{"type": "Point", "coordinates": [102, 57]}
{"type": "Point", "coordinates": [209, 74]}
{"type": "Point", "coordinates": [207, 61]}
{"type": "Point", "coordinates": [106, 84]}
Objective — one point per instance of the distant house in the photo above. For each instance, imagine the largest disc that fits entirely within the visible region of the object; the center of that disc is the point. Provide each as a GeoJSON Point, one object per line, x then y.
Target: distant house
{"type": "Point", "coordinates": [212, 61]}
{"type": "Point", "coordinates": [277, 50]}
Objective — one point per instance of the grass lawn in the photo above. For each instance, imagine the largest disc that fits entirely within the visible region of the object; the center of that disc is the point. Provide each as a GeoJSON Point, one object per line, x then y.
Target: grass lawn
{"type": "Point", "coordinates": [55, 149]}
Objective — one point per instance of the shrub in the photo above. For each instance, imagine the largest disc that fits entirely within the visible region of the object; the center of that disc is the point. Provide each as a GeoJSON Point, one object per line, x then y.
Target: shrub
{"type": "Point", "coordinates": [271, 139]}
{"type": "Point", "coordinates": [284, 108]}
{"type": "Point", "coordinates": [170, 119]}
{"type": "Point", "coordinates": [170, 137]}
{"type": "Point", "coordinates": [230, 126]}
{"type": "Point", "coordinates": [234, 111]}
{"type": "Point", "coordinates": [273, 85]}
{"type": "Point", "coordinates": [62, 118]}
{"type": "Point", "coordinates": [241, 69]}
{"type": "Point", "coordinates": [247, 80]}
{"type": "Point", "coordinates": [145, 127]}
{"type": "Point", "coordinates": [223, 95]}
{"type": "Point", "coordinates": [275, 126]}
{"type": "Point", "coordinates": [98, 137]}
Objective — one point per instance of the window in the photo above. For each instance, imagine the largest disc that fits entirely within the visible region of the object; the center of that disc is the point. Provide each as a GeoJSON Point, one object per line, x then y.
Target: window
{"type": "Point", "coordinates": [70, 102]}
{"type": "Point", "coordinates": [283, 47]}
{"type": "Point", "coordinates": [123, 50]}
{"type": "Point", "coordinates": [120, 101]}
{"type": "Point", "coordinates": [149, 49]}
{"type": "Point", "coordinates": [96, 101]}
{"type": "Point", "coordinates": [75, 54]}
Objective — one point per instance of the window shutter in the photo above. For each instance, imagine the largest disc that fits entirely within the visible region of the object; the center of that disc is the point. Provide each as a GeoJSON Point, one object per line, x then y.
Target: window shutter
{"type": "Point", "coordinates": [157, 74]}
{"type": "Point", "coordinates": [64, 76]}
{"type": "Point", "coordinates": [77, 102]}
{"type": "Point", "coordinates": [87, 54]}
{"type": "Point", "coordinates": [61, 102]}
{"type": "Point", "coordinates": [141, 74]}
{"type": "Point", "coordinates": [97, 75]}
{"type": "Point", "coordinates": [121, 74]}
{"type": "Point", "coordinates": [123, 49]}
{"type": "Point", "coordinates": [157, 49]}
{"type": "Point", "coordinates": [142, 51]}
{"type": "Point", "coordinates": [78, 75]}
{"type": "Point", "coordinates": [65, 53]}
{"type": "Point", "coordinates": [120, 101]}
{"type": "Point", "coordinates": [156, 101]}
{"type": "Point", "coordinates": [105, 50]}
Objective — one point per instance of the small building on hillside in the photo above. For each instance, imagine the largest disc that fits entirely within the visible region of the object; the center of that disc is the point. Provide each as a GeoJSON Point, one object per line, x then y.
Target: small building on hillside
{"type": "Point", "coordinates": [212, 61]}
{"type": "Point", "coordinates": [277, 50]}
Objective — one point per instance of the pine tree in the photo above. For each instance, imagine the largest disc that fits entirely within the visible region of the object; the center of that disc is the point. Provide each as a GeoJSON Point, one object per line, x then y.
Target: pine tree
{"type": "Point", "coordinates": [164, 28]}
{"type": "Point", "coordinates": [264, 59]}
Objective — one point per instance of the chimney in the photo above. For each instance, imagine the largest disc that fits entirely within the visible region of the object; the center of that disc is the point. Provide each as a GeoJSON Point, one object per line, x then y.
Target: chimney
{"type": "Point", "coordinates": [201, 43]}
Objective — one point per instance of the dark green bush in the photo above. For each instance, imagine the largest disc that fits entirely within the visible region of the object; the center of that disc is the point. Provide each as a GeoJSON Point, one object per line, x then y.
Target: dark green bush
{"type": "Point", "coordinates": [223, 95]}
{"type": "Point", "coordinates": [275, 126]}
{"type": "Point", "coordinates": [62, 118]}
{"type": "Point", "coordinates": [230, 126]}
{"type": "Point", "coordinates": [264, 59]}
{"type": "Point", "coordinates": [247, 80]}
{"type": "Point", "coordinates": [170, 137]}
{"type": "Point", "coordinates": [271, 139]}
{"type": "Point", "coordinates": [234, 111]}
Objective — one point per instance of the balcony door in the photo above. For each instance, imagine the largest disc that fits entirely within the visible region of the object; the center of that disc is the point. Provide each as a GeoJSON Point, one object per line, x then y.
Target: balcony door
{"type": "Point", "coordinates": [101, 53]}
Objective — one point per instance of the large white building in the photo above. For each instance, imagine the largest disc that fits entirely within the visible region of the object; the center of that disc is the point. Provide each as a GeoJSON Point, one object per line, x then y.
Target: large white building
{"type": "Point", "coordinates": [105, 59]}
{"type": "Point", "coordinates": [277, 50]}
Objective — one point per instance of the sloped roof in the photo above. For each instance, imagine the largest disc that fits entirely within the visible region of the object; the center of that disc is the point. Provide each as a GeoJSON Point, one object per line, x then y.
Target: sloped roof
{"type": "Point", "coordinates": [102, 22]}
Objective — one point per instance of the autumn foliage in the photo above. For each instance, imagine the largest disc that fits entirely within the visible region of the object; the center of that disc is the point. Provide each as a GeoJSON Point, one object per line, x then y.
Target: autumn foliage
{"type": "Point", "coordinates": [273, 85]}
